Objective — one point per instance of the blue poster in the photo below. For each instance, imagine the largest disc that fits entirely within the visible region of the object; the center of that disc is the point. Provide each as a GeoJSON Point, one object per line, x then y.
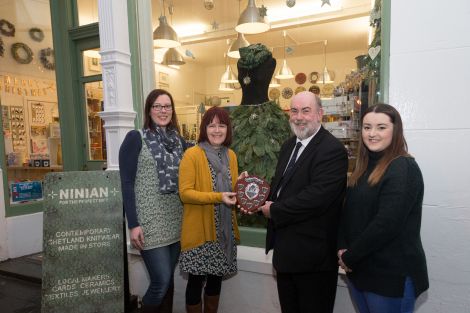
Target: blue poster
{"type": "Point", "coordinates": [26, 191]}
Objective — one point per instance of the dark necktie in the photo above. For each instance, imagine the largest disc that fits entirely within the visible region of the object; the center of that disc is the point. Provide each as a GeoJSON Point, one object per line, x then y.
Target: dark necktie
{"type": "Point", "coordinates": [292, 160]}
{"type": "Point", "coordinates": [289, 168]}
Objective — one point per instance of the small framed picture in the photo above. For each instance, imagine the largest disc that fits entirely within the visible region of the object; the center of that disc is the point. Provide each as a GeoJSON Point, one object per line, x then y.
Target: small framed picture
{"type": "Point", "coordinates": [163, 80]}
{"type": "Point", "coordinates": [94, 64]}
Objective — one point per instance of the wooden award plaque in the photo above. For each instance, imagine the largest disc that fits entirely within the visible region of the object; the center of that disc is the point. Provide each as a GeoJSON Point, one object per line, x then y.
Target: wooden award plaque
{"type": "Point", "coordinates": [252, 191]}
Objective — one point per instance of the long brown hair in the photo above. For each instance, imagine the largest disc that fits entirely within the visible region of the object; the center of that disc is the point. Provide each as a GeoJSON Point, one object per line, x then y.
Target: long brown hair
{"type": "Point", "coordinates": [208, 117]}
{"type": "Point", "coordinates": [397, 147]}
{"type": "Point", "coordinates": [153, 95]}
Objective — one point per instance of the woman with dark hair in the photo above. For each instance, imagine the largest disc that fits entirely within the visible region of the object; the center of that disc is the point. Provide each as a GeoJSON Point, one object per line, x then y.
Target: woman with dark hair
{"type": "Point", "coordinates": [208, 173]}
{"type": "Point", "coordinates": [149, 161]}
{"type": "Point", "coordinates": [379, 239]}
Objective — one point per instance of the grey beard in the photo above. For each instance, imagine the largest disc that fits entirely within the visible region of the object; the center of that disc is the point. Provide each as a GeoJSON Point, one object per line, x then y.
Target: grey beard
{"type": "Point", "coordinates": [302, 134]}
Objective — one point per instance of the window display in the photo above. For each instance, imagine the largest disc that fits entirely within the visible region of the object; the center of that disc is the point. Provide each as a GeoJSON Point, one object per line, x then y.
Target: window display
{"type": "Point", "coordinates": [96, 134]}
{"type": "Point", "coordinates": [28, 101]}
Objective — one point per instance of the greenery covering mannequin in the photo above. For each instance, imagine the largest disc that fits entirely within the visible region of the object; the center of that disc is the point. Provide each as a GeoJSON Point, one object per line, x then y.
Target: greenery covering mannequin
{"type": "Point", "coordinates": [260, 126]}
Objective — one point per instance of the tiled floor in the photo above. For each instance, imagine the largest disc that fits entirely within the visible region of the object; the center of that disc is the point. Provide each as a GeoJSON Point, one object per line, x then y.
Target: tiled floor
{"type": "Point", "coordinates": [19, 296]}
{"type": "Point", "coordinates": [20, 285]}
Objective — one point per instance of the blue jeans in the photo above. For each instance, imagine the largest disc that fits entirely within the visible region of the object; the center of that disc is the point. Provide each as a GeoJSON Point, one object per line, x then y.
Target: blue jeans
{"type": "Point", "coordinates": [369, 302]}
{"type": "Point", "coordinates": [160, 263]}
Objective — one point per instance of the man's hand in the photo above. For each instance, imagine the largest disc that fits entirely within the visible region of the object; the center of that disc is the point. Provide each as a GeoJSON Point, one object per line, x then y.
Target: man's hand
{"type": "Point", "coordinates": [266, 209]}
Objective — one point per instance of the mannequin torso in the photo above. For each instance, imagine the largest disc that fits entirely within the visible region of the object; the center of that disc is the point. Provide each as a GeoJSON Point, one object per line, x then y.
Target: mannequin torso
{"type": "Point", "coordinates": [256, 92]}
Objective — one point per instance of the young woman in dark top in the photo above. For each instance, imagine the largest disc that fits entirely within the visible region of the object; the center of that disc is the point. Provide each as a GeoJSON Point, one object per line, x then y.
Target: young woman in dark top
{"type": "Point", "coordinates": [379, 239]}
{"type": "Point", "coordinates": [149, 162]}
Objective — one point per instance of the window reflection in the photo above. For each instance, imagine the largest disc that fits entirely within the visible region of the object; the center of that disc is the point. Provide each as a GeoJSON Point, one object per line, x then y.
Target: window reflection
{"type": "Point", "coordinates": [87, 12]}
{"type": "Point", "coordinates": [91, 62]}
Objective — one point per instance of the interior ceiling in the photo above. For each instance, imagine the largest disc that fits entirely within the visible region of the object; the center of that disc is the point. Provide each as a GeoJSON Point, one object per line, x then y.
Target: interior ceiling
{"type": "Point", "coordinates": [345, 28]}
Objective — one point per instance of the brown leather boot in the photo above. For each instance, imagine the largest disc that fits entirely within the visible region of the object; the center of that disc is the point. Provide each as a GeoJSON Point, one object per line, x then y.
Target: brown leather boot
{"type": "Point", "coordinates": [196, 308]}
{"type": "Point", "coordinates": [167, 302]}
{"type": "Point", "coordinates": [211, 303]}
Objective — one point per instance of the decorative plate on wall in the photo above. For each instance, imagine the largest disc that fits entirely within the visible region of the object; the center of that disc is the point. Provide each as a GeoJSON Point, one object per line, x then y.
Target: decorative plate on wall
{"type": "Point", "coordinates": [299, 89]}
{"type": "Point", "coordinates": [328, 89]}
{"type": "Point", "coordinates": [314, 77]}
{"type": "Point", "coordinates": [300, 78]}
{"type": "Point", "coordinates": [287, 93]}
{"type": "Point", "coordinates": [274, 94]}
{"type": "Point", "coordinates": [315, 89]}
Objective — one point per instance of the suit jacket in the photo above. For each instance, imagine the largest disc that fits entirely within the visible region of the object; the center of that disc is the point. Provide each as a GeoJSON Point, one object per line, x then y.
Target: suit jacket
{"type": "Point", "coordinates": [304, 217]}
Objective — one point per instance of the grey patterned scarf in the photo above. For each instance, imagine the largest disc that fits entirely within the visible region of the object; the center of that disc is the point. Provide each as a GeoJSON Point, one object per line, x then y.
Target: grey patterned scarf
{"type": "Point", "coordinates": [167, 150]}
{"type": "Point", "coordinates": [219, 161]}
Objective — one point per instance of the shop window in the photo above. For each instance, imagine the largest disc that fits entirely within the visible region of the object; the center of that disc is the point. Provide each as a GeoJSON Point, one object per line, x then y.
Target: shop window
{"type": "Point", "coordinates": [96, 135]}
{"type": "Point", "coordinates": [91, 62]}
{"type": "Point", "coordinates": [28, 98]}
{"type": "Point", "coordinates": [342, 67]}
{"type": "Point", "coordinates": [87, 12]}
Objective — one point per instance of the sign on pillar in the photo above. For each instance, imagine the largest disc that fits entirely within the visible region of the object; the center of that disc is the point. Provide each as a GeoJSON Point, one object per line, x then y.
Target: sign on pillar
{"type": "Point", "coordinates": [83, 243]}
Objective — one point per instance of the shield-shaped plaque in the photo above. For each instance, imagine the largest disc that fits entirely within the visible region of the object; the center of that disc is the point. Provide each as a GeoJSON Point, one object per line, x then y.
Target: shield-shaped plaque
{"type": "Point", "coordinates": [252, 191]}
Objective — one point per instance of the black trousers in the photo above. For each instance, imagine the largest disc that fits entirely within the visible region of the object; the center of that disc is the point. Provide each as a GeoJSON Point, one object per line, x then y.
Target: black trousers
{"type": "Point", "coordinates": [312, 292]}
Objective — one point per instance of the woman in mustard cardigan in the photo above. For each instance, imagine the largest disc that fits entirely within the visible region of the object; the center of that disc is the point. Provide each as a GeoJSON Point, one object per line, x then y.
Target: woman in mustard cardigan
{"type": "Point", "coordinates": [209, 233]}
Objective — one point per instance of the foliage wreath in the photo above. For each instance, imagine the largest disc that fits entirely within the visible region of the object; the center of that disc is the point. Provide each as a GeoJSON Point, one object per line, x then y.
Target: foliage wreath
{"type": "Point", "coordinates": [21, 46]}
{"type": "Point", "coordinates": [2, 47]}
{"type": "Point", "coordinates": [10, 28]}
{"type": "Point", "coordinates": [43, 56]}
{"type": "Point", "coordinates": [36, 34]}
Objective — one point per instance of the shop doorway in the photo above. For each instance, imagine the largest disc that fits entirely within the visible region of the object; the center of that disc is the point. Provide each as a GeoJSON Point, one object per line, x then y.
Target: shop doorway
{"type": "Point", "coordinates": [90, 102]}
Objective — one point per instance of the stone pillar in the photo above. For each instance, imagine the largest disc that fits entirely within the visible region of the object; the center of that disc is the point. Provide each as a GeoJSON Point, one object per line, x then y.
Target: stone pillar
{"type": "Point", "coordinates": [118, 114]}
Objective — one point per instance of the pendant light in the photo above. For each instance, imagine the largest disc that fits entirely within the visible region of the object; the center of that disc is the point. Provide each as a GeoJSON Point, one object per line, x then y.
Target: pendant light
{"type": "Point", "coordinates": [164, 35]}
{"type": "Point", "coordinates": [285, 72]}
{"type": "Point", "coordinates": [251, 21]}
{"type": "Point", "coordinates": [240, 42]}
{"type": "Point", "coordinates": [226, 87]}
{"type": "Point", "coordinates": [274, 83]}
{"type": "Point", "coordinates": [173, 57]}
{"type": "Point", "coordinates": [325, 77]}
{"type": "Point", "coordinates": [228, 76]}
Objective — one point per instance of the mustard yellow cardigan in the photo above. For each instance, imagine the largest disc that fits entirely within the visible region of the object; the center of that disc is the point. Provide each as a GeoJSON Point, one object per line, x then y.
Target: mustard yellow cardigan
{"type": "Point", "coordinates": [195, 189]}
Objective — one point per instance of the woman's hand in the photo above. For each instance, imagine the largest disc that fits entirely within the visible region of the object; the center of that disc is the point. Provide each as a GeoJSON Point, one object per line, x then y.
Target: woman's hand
{"type": "Point", "coordinates": [340, 261]}
{"type": "Point", "coordinates": [229, 198]}
{"type": "Point", "coordinates": [137, 237]}
{"type": "Point", "coordinates": [242, 175]}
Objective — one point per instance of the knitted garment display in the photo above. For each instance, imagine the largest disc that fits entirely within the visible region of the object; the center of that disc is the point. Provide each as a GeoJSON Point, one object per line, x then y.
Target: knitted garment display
{"type": "Point", "coordinates": [253, 55]}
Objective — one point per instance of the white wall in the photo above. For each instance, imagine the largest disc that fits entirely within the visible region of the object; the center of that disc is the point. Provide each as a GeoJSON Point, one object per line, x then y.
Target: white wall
{"type": "Point", "coordinates": [429, 76]}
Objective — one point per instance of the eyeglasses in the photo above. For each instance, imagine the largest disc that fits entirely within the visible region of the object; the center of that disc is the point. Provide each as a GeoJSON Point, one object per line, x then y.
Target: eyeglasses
{"type": "Point", "coordinates": [159, 107]}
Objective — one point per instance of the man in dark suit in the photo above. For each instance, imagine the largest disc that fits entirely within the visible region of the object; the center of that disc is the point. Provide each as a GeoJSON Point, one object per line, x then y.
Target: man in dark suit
{"type": "Point", "coordinates": [306, 196]}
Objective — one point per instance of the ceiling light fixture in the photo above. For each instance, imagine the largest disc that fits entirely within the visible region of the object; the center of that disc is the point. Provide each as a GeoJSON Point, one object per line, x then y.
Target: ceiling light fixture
{"type": "Point", "coordinates": [325, 77]}
{"type": "Point", "coordinates": [164, 35]}
{"type": "Point", "coordinates": [173, 57]}
{"type": "Point", "coordinates": [240, 42]}
{"type": "Point", "coordinates": [274, 83]}
{"type": "Point", "coordinates": [226, 87]}
{"type": "Point", "coordinates": [228, 76]}
{"type": "Point", "coordinates": [285, 72]}
{"type": "Point", "coordinates": [251, 21]}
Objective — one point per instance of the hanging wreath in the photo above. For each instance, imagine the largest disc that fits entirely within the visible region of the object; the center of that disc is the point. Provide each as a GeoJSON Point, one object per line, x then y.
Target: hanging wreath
{"type": "Point", "coordinates": [16, 47]}
{"type": "Point", "coordinates": [44, 56]}
{"type": "Point", "coordinates": [7, 28]}
{"type": "Point", "coordinates": [36, 34]}
{"type": "Point", "coordinates": [2, 47]}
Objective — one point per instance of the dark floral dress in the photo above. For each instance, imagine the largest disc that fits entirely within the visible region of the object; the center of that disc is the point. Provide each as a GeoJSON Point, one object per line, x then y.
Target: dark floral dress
{"type": "Point", "coordinates": [209, 258]}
